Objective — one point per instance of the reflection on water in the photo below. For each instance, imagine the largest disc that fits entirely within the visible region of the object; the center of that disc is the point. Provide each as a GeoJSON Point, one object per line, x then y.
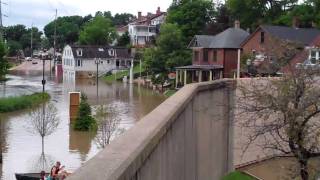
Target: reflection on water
{"type": "Point", "coordinates": [22, 150]}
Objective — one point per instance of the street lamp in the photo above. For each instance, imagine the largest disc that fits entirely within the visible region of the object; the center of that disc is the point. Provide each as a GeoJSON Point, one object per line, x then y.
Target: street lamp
{"type": "Point", "coordinates": [97, 62]}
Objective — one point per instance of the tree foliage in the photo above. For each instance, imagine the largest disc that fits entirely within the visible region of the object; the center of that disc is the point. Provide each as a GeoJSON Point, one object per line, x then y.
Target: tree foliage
{"type": "Point", "coordinates": [19, 38]}
{"type": "Point", "coordinates": [169, 53]}
{"type": "Point", "coordinates": [68, 29]}
{"type": "Point", "coordinates": [99, 31]}
{"type": "Point", "coordinates": [124, 39]}
{"type": "Point", "coordinates": [4, 65]}
{"type": "Point", "coordinates": [84, 120]}
{"type": "Point", "coordinates": [191, 16]}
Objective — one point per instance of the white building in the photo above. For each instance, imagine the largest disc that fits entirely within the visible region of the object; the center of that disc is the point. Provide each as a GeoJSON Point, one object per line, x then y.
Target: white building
{"type": "Point", "coordinates": [81, 61]}
{"type": "Point", "coordinates": [143, 30]}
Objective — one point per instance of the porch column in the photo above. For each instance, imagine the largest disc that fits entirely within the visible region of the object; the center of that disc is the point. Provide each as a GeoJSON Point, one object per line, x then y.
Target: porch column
{"type": "Point", "coordinates": [200, 76]}
{"type": "Point", "coordinates": [221, 74]}
{"type": "Point", "coordinates": [210, 75]}
{"type": "Point", "coordinates": [185, 77]}
{"type": "Point", "coordinates": [177, 76]}
{"type": "Point", "coordinates": [238, 64]}
{"type": "Point", "coordinates": [192, 76]}
{"type": "Point", "coordinates": [181, 74]}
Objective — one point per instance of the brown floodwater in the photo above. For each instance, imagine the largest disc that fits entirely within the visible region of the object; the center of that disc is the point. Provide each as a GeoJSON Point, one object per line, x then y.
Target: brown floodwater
{"type": "Point", "coordinates": [21, 149]}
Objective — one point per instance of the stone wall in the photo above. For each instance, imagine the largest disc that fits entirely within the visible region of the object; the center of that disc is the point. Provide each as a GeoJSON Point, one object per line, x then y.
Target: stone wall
{"type": "Point", "coordinates": [189, 136]}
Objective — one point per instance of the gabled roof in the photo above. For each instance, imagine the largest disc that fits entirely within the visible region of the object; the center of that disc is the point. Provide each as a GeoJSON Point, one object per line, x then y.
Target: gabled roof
{"type": "Point", "coordinates": [302, 35]}
{"type": "Point", "coordinates": [228, 39]}
{"type": "Point", "coordinates": [92, 52]}
{"type": "Point", "coordinates": [298, 35]}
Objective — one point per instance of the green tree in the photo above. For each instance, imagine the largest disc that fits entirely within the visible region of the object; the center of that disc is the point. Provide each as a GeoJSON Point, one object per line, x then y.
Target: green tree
{"type": "Point", "coordinates": [170, 51]}
{"type": "Point", "coordinates": [252, 13]}
{"type": "Point", "coordinates": [4, 65]}
{"type": "Point", "coordinates": [124, 40]}
{"type": "Point", "coordinates": [99, 31]}
{"type": "Point", "coordinates": [14, 32]}
{"type": "Point", "coordinates": [191, 16]}
{"type": "Point", "coordinates": [123, 19]}
{"type": "Point", "coordinates": [13, 47]}
{"type": "Point", "coordinates": [84, 120]}
{"type": "Point", "coordinates": [68, 29]}
{"type": "Point", "coordinates": [305, 13]}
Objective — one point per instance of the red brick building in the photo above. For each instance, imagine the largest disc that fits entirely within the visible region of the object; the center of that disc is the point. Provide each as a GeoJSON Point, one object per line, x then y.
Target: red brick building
{"type": "Point", "coordinates": [214, 57]}
{"type": "Point", "coordinates": [269, 45]}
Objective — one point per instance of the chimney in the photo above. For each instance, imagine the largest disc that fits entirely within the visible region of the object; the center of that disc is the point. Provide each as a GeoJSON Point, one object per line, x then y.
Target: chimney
{"type": "Point", "coordinates": [158, 11]}
{"type": "Point", "coordinates": [237, 24]}
{"type": "Point", "coordinates": [139, 15]}
{"type": "Point", "coordinates": [295, 22]}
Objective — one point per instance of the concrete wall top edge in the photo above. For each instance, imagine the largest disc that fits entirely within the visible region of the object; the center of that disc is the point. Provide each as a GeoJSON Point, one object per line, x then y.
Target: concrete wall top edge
{"type": "Point", "coordinates": [127, 152]}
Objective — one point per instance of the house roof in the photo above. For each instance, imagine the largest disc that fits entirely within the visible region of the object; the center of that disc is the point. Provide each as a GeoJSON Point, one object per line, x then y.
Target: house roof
{"type": "Point", "coordinates": [302, 35]}
{"type": "Point", "coordinates": [299, 35]}
{"type": "Point", "coordinates": [231, 38]}
{"type": "Point", "coordinates": [92, 52]}
{"type": "Point", "coordinates": [201, 67]}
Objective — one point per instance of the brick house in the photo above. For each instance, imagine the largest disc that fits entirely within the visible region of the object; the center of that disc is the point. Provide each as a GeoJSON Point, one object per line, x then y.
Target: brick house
{"type": "Point", "coordinates": [270, 47]}
{"type": "Point", "coordinates": [214, 57]}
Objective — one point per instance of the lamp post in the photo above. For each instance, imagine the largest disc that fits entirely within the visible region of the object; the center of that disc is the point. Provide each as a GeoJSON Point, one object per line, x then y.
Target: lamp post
{"type": "Point", "coordinates": [97, 62]}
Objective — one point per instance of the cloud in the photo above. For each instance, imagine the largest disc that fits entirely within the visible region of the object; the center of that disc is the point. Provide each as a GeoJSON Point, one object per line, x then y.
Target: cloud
{"type": "Point", "coordinates": [41, 12]}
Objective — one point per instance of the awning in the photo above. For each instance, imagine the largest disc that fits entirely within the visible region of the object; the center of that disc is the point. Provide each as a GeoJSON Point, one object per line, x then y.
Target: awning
{"type": "Point", "coordinates": [200, 67]}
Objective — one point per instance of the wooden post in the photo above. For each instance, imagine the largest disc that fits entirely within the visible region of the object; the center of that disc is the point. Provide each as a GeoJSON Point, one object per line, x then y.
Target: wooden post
{"type": "Point", "coordinates": [177, 78]}
{"type": "Point", "coordinates": [74, 105]}
{"type": "Point", "coordinates": [185, 77]}
{"type": "Point", "coordinates": [200, 76]}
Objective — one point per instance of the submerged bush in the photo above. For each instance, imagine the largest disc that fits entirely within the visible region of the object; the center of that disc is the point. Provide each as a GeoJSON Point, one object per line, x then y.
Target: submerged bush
{"type": "Point", "coordinates": [84, 120]}
{"type": "Point", "coordinates": [10, 104]}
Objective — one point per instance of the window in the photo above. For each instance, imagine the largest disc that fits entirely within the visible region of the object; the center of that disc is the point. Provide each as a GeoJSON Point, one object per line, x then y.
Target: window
{"type": "Point", "coordinates": [313, 57]}
{"type": "Point", "coordinates": [205, 55]}
{"type": "Point", "coordinates": [196, 55]}
{"type": "Point", "coordinates": [79, 52]}
{"type": "Point", "coordinates": [79, 63]}
{"type": "Point", "coordinates": [262, 37]}
{"type": "Point", "coordinates": [215, 55]}
{"type": "Point", "coordinates": [111, 52]}
{"type": "Point", "coordinates": [108, 61]}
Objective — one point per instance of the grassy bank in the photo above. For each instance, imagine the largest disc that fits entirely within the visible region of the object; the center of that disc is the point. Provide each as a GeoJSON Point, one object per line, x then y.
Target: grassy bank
{"type": "Point", "coordinates": [10, 104]}
{"type": "Point", "coordinates": [120, 75]}
{"type": "Point", "coordinates": [170, 92]}
{"type": "Point", "coordinates": [237, 176]}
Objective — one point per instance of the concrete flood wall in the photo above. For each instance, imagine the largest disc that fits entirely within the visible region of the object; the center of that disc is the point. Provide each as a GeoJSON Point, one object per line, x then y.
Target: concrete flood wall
{"type": "Point", "coordinates": [187, 137]}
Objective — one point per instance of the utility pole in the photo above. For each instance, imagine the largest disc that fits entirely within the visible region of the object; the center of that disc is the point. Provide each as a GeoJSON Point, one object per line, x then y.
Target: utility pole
{"type": "Point", "coordinates": [1, 24]}
{"type": "Point", "coordinates": [31, 46]}
{"type": "Point", "coordinates": [54, 42]}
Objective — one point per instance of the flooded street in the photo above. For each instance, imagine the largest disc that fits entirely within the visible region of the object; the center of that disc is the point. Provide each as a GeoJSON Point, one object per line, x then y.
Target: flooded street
{"type": "Point", "coordinates": [22, 149]}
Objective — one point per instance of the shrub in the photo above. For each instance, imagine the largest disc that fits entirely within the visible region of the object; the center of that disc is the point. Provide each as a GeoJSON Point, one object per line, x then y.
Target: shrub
{"type": "Point", "coordinates": [84, 120]}
{"type": "Point", "coordinates": [10, 104]}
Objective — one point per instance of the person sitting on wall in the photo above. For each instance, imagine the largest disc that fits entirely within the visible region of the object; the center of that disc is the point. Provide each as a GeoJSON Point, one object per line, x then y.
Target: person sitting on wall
{"type": "Point", "coordinates": [57, 172]}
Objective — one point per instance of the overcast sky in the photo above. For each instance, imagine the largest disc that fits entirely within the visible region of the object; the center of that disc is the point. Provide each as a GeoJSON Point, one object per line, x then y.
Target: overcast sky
{"type": "Point", "coordinates": [40, 12]}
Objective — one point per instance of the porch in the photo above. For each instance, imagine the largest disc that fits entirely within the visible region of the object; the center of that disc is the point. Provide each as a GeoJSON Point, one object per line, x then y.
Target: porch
{"type": "Point", "coordinates": [197, 73]}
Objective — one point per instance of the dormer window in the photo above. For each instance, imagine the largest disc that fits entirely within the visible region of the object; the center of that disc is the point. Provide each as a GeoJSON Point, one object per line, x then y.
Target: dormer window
{"type": "Point", "coordinates": [111, 52]}
{"type": "Point", "coordinates": [79, 52]}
